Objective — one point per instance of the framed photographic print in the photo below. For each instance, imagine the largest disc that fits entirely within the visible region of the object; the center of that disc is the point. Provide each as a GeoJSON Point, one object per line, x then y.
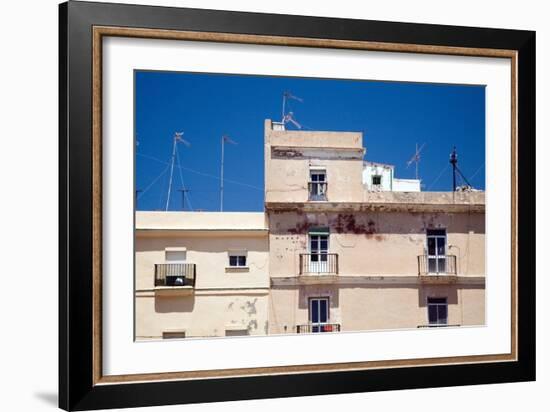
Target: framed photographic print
{"type": "Point", "coordinates": [257, 205]}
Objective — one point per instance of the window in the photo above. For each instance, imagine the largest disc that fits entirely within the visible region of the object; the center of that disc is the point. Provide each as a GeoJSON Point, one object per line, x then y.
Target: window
{"type": "Point", "coordinates": [318, 249]}
{"type": "Point", "coordinates": [317, 184]}
{"type": "Point", "coordinates": [376, 180]}
{"type": "Point", "coordinates": [437, 311]}
{"type": "Point", "coordinates": [237, 259]}
{"type": "Point", "coordinates": [175, 255]}
{"type": "Point", "coordinates": [173, 335]}
{"type": "Point", "coordinates": [236, 332]}
{"type": "Point", "coordinates": [437, 248]}
{"type": "Point", "coordinates": [319, 314]}
{"type": "Point", "coordinates": [175, 269]}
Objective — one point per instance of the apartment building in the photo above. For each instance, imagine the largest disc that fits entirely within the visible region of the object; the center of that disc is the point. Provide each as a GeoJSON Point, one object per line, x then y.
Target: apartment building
{"type": "Point", "coordinates": [347, 256]}
{"type": "Point", "coordinates": [201, 274]}
{"type": "Point", "coordinates": [343, 245]}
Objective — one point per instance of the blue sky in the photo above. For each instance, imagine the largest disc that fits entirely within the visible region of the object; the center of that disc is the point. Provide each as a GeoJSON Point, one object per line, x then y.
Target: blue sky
{"type": "Point", "coordinates": [393, 116]}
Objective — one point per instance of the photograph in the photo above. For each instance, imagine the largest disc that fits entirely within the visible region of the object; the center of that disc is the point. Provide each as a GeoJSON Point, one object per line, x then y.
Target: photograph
{"type": "Point", "coordinates": [258, 205]}
{"type": "Point", "coordinates": [273, 205]}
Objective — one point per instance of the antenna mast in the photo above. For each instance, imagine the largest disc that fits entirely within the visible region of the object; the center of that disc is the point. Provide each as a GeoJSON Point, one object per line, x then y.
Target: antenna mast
{"type": "Point", "coordinates": [225, 138]}
{"type": "Point", "coordinates": [183, 192]}
{"type": "Point", "coordinates": [416, 158]}
{"type": "Point", "coordinates": [284, 116]}
{"type": "Point", "coordinates": [454, 161]}
{"type": "Point", "coordinates": [178, 137]}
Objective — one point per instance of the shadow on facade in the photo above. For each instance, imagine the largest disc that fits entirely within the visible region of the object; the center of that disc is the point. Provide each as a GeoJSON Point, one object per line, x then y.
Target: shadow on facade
{"type": "Point", "coordinates": [169, 304]}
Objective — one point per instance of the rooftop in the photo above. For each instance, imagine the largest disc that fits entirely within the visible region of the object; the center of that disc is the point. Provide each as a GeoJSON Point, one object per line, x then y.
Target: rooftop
{"type": "Point", "coordinates": [204, 221]}
{"type": "Point", "coordinates": [313, 139]}
{"type": "Point", "coordinates": [457, 202]}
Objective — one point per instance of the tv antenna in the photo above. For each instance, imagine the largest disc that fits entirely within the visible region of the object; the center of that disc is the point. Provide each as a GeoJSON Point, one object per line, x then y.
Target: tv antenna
{"type": "Point", "coordinates": [454, 162]}
{"type": "Point", "coordinates": [225, 139]}
{"type": "Point", "coordinates": [178, 138]}
{"type": "Point", "coordinates": [289, 117]}
{"type": "Point", "coordinates": [416, 158]}
{"type": "Point", "coordinates": [288, 96]}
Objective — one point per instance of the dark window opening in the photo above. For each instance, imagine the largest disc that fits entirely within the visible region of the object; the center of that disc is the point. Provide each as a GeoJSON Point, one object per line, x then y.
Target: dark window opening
{"type": "Point", "coordinates": [437, 311]}
{"type": "Point", "coordinates": [237, 260]}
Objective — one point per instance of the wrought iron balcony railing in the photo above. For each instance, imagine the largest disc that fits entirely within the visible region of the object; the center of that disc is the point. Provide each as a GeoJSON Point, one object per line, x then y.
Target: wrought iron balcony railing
{"type": "Point", "coordinates": [437, 265]}
{"type": "Point", "coordinates": [317, 191]}
{"type": "Point", "coordinates": [318, 328]}
{"type": "Point", "coordinates": [175, 274]}
{"type": "Point", "coordinates": [318, 264]}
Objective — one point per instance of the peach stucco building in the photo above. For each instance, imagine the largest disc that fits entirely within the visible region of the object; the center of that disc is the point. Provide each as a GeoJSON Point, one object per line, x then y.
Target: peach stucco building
{"type": "Point", "coordinates": [201, 274]}
{"type": "Point", "coordinates": [330, 253]}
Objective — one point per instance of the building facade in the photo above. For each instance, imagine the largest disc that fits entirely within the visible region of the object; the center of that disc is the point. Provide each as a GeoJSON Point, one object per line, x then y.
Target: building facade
{"type": "Point", "coordinates": [344, 257]}
{"type": "Point", "coordinates": [379, 177]}
{"type": "Point", "coordinates": [201, 274]}
{"type": "Point", "coordinates": [331, 253]}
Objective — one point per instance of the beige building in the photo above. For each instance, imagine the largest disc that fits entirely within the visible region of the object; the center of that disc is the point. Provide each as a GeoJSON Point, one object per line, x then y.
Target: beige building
{"type": "Point", "coordinates": [345, 258]}
{"type": "Point", "coordinates": [329, 254]}
{"type": "Point", "coordinates": [201, 274]}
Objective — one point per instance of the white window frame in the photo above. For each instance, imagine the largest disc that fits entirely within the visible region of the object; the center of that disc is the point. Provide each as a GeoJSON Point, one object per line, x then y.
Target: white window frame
{"type": "Point", "coordinates": [310, 314]}
{"type": "Point", "coordinates": [320, 189]}
{"type": "Point", "coordinates": [437, 256]}
{"type": "Point", "coordinates": [237, 253]}
{"type": "Point", "coordinates": [321, 265]}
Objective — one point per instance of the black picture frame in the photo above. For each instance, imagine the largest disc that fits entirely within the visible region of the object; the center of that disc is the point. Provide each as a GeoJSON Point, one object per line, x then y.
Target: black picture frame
{"type": "Point", "coordinates": [77, 390]}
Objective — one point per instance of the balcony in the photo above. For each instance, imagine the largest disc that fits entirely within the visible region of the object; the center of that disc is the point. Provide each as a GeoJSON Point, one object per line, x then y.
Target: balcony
{"type": "Point", "coordinates": [318, 328]}
{"type": "Point", "coordinates": [437, 269]}
{"type": "Point", "coordinates": [317, 191]}
{"type": "Point", "coordinates": [319, 264]}
{"type": "Point", "coordinates": [175, 276]}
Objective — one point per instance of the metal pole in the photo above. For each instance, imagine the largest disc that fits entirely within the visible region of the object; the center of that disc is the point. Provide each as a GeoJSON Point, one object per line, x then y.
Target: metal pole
{"type": "Point", "coordinates": [183, 191]}
{"type": "Point", "coordinates": [453, 161]}
{"type": "Point", "coordinates": [138, 191]}
{"type": "Point", "coordinates": [221, 179]}
{"type": "Point", "coordinates": [171, 173]}
{"type": "Point", "coordinates": [283, 113]}
{"type": "Point", "coordinates": [417, 159]}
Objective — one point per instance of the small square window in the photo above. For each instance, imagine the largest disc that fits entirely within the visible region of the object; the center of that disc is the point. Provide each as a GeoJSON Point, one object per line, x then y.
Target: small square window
{"type": "Point", "coordinates": [237, 260]}
{"type": "Point", "coordinates": [237, 332]}
{"type": "Point", "coordinates": [377, 180]}
{"type": "Point", "coordinates": [173, 335]}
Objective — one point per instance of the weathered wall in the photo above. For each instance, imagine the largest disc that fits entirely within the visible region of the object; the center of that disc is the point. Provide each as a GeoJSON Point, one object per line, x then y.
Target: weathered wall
{"type": "Point", "coordinates": [288, 179]}
{"type": "Point", "coordinates": [290, 154]}
{"type": "Point", "coordinates": [375, 306]}
{"type": "Point", "coordinates": [209, 251]}
{"type": "Point", "coordinates": [223, 298]}
{"type": "Point", "coordinates": [377, 243]}
{"type": "Point", "coordinates": [374, 169]}
{"type": "Point", "coordinates": [201, 315]}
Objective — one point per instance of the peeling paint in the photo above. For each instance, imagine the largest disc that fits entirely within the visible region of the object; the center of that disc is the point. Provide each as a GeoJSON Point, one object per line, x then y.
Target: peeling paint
{"type": "Point", "coordinates": [252, 325]}
{"type": "Point", "coordinates": [250, 307]}
{"type": "Point", "coordinates": [286, 153]}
